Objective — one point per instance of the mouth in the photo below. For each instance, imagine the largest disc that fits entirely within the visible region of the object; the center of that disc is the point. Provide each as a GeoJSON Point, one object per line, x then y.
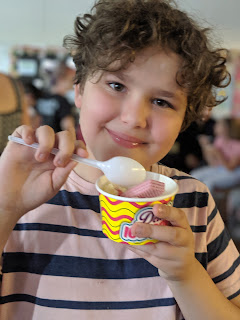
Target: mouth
{"type": "Point", "coordinates": [125, 140]}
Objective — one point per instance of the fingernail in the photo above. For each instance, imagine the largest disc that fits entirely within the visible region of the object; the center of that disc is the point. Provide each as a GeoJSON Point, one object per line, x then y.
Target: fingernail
{"type": "Point", "coordinates": [162, 209]}
{"type": "Point", "coordinates": [59, 162]}
{"type": "Point", "coordinates": [137, 230]}
{"type": "Point", "coordinates": [42, 156]}
{"type": "Point", "coordinates": [83, 153]}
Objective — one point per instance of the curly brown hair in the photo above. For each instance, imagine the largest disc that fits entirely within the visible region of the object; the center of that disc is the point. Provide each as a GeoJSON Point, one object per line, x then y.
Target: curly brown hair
{"type": "Point", "coordinates": [117, 30]}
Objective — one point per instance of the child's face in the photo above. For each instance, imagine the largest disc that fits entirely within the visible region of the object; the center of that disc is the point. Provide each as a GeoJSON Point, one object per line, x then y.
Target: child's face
{"type": "Point", "coordinates": [137, 112]}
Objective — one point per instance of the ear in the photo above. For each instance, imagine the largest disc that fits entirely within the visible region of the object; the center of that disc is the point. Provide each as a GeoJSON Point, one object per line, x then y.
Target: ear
{"type": "Point", "coordinates": [78, 96]}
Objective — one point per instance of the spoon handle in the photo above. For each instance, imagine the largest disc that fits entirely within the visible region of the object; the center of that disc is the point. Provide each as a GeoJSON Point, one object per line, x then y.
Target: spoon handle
{"type": "Point", "coordinates": [90, 162]}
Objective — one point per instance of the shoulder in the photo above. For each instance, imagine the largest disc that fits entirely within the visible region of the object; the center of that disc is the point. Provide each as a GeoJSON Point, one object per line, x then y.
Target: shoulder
{"type": "Point", "coordinates": [193, 196]}
{"type": "Point", "coordinates": [186, 182]}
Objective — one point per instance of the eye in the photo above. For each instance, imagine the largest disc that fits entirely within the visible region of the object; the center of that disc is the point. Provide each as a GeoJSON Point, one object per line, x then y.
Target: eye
{"type": "Point", "coordinates": [116, 86]}
{"type": "Point", "coordinates": [162, 103]}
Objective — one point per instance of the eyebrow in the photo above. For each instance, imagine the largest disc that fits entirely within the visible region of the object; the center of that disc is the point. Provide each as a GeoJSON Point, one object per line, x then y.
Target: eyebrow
{"type": "Point", "coordinates": [165, 93]}
{"type": "Point", "coordinates": [120, 74]}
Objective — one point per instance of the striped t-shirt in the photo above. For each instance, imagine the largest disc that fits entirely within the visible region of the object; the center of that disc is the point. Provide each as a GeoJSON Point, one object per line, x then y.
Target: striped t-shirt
{"type": "Point", "coordinates": [57, 263]}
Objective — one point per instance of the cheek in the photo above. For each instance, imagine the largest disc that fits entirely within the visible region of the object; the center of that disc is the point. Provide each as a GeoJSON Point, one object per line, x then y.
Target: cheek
{"type": "Point", "coordinates": [95, 112]}
{"type": "Point", "coordinates": [99, 108]}
{"type": "Point", "coordinates": [164, 132]}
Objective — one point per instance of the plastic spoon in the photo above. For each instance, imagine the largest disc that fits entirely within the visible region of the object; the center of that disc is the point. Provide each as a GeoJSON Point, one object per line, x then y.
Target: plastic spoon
{"type": "Point", "coordinates": [120, 170]}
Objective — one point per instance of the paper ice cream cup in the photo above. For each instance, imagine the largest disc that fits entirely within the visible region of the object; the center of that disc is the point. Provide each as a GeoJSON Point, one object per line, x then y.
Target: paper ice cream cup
{"type": "Point", "coordinates": [120, 213]}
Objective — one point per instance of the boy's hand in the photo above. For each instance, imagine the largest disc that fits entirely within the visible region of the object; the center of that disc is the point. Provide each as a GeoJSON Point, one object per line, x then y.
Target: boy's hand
{"type": "Point", "coordinates": [173, 255]}
{"type": "Point", "coordinates": [30, 177]}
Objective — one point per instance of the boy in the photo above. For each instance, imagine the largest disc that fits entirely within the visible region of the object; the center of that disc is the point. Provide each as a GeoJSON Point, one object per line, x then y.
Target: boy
{"type": "Point", "coordinates": [143, 70]}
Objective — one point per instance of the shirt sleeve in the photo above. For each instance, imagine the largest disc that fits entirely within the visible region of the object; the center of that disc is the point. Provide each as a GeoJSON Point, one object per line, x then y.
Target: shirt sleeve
{"type": "Point", "coordinates": [223, 257]}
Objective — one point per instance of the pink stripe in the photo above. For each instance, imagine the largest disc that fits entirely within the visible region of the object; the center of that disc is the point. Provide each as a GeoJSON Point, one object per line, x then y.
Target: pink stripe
{"type": "Point", "coordinates": [118, 218]}
{"type": "Point", "coordinates": [49, 242]}
{"type": "Point", "coordinates": [110, 230]}
{"type": "Point", "coordinates": [164, 201]}
{"type": "Point", "coordinates": [77, 289]}
{"type": "Point", "coordinates": [113, 202]}
{"type": "Point", "coordinates": [134, 204]}
{"type": "Point", "coordinates": [139, 206]}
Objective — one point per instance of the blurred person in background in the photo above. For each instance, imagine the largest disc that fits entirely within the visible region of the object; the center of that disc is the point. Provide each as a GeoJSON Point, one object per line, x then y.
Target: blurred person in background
{"type": "Point", "coordinates": [233, 197]}
{"type": "Point", "coordinates": [233, 213]}
{"type": "Point", "coordinates": [32, 94]}
{"type": "Point", "coordinates": [186, 154]}
{"type": "Point", "coordinates": [192, 150]}
{"type": "Point", "coordinates": [13, 109]}
{"type": "Point", "coordinates": [222, 157]}
{"type": "Point", "coordinates": [53, 106]}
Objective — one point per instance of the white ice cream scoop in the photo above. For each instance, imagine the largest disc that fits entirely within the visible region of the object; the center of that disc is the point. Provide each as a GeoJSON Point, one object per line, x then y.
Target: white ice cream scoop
{"type": "Point", "coordinates": [120, 170]}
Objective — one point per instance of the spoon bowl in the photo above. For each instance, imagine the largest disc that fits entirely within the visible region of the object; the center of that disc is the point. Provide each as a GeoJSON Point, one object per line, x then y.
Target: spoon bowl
{"type": "Point", "coordinates": [123, 171]}
{"type": "Point", "coordinates": [119, 170]}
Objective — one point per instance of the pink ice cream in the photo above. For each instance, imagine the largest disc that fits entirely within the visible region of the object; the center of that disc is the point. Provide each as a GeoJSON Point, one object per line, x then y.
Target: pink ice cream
{"type": "Point", "coordinates": [146, 189]}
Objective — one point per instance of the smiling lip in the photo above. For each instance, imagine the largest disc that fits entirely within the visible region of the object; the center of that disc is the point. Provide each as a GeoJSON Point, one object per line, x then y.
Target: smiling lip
{"type": "Point", "coordinates": [124, 140]}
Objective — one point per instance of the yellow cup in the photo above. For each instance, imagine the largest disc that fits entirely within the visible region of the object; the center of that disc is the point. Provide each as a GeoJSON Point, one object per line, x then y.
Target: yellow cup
{"type": "Point", "coordinates": [120, 213]}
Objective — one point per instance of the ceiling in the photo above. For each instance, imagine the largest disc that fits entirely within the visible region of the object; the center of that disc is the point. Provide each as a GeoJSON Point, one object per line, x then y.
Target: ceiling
{"type": "Point", "coordinates": [45, 22]}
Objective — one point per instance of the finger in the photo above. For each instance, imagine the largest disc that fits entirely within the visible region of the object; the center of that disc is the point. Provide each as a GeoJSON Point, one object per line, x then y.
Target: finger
{"type": "Point", "coordinates": [60, 174]}
{"type": "Point", "coordinates": [45, 136]}
{"type": "Point", "coordinates": [175, 216]}
{"type": "Point", "coordinates": [25, 132]}
{"type": "Point", "coordinates": [66, 146]}
{"type": "Point", "coordinates": [173, 235]}
{"type": "Point", "coordinates": [72, 132]}
{"type": "Point", "coordinates": [80, 149]}
{"type": "Point", "coordinates": [161, 250]}
{"type": "Point", "coordinates": [28, 135]}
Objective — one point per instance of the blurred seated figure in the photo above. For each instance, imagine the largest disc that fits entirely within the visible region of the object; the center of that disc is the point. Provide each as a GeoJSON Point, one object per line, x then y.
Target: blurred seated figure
{"type": "Point", "coordinates": [233, 212]}
{"type": "Point", "coordinates": [187, 152]}
{"type": "Point", "coordinates": [13, 111]}
{"type": "Point", "coordinates": [53, 107]}
{"type": "Point", "coordinates": [32, 94]}
{"type": "Point", "coordinates": [222, 156]}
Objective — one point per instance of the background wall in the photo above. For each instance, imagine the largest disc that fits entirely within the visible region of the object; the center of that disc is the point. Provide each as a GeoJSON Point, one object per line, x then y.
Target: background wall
{"type": "Point", "coordinates": [42, 24]}
{"type": "Point", "coordinates": [45, 22]}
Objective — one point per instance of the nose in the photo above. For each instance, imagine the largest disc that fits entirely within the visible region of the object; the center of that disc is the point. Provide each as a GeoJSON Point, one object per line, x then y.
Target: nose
{"type": "Point", "coordinates": [135, 113]}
